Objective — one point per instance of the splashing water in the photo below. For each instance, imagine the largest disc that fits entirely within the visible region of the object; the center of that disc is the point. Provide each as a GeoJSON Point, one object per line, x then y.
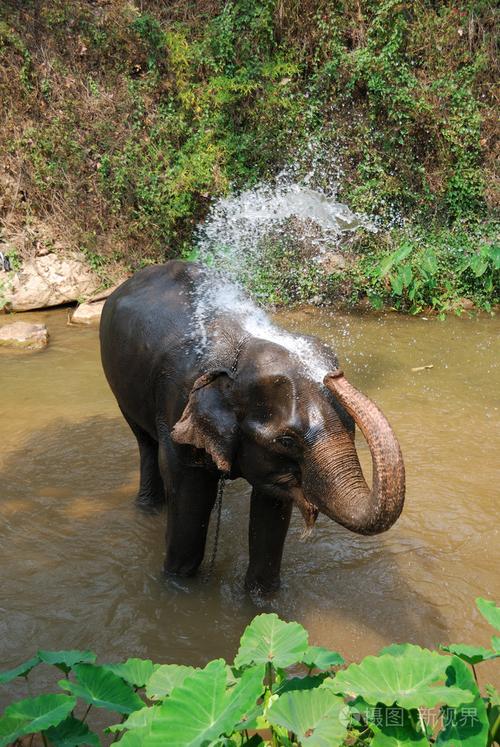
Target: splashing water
{"type": "Point", "coordinates": [224, 296]}
{"type": "Point", "coordinates": [232, 240]}
{"type": "Point", "coordinates": [234, 234]}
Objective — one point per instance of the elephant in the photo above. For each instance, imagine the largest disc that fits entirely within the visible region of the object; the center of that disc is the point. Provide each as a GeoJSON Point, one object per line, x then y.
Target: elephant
{"type": "Point", "coordinates": [210, 388]}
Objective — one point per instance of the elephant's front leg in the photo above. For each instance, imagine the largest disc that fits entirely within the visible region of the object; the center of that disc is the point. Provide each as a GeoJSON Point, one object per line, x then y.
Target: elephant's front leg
{"type": "Point", "coordinates": [191, 497]}
{"type": "Point", "coordinates": [269, 521]}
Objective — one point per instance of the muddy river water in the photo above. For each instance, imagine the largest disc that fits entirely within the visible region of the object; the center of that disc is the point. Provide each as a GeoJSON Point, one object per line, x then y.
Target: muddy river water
{"type": "Point", "coordinates": [81, 567]}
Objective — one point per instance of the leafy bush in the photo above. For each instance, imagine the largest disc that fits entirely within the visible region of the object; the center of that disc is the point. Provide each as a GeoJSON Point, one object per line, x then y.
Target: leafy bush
{"type": "Point", "coordinates": [406, 695]}
{"type": "Point", "coordinates": [435, 270]}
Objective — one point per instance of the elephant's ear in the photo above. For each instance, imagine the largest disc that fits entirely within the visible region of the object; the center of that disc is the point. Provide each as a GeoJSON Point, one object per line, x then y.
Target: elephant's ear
{"type": "Point", "coordinates": [208, 421]}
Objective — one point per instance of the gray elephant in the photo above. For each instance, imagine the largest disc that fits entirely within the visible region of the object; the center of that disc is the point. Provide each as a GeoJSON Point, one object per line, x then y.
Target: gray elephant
{"type": "Point", "coordinates": [210, 387]}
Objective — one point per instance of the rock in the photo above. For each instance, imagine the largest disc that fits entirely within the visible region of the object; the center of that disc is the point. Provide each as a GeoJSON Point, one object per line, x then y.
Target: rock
{"type": "Point", "coordinates": [24, 335]}
{"type": "Point", "coordinates": [49, 280]}
{"type": "Point", "coordinates": [333, 262]}
{"type": "Point", "coordinates": [465, 303]}
{"type": "Point", "coordinates": [88, 313]}
{"type": "Point", "coordinates": [103, 294]}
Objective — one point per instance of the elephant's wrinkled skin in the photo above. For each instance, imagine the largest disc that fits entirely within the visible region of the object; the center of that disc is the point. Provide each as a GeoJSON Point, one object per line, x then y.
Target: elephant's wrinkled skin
{"type": "Point", "coordinates": [232, 402]}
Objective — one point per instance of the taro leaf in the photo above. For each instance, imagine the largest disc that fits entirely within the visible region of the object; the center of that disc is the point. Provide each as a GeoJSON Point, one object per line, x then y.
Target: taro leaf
{"type": "Point", "coordinates": [33, 714]}
{"type": "Point", "coordinates": [132, 738]}
{"type": "Point", "coordinates": [301, 683]}
{"type": "Point", "coordinates": [103, 689]}
{"type": "Point", "coordinates": [405, 679]}
{"type": "Point", "coordinates": [269, 639]}
{"type": "Point", "coordinates": [396, 649]}
{"type": "Point", "coordinates": [398, 736]}
{"type": "Point", "coordinates": [136, 672]}
{"type": "Point", "coordinates": [137, 726]}
{"type": "Point", "coordinates": [490, 611]}
{"type": "Point", "coordinates": [165, 678]}
{"type": "Point", "coordinates": [495, 642]}
{"type": "Point", "coordinates": [137, 720]}
{"type": "Point", "coordinates": [201, 709]}
{"type": "Point", "coordinates": [317, 717]}
{"type": "Point", "coordinates": [394, 726]}
{"type": "Point", "coordinates": [467, 725]}
{"type": "Point", "coordinates": [21, 671]}
{"type": "Point", "coordinates": [10, 729]}
{"type": "Point", "coordinates": [470, 654]}
{"type": "Point", "coordinates": [70, 733]}
{"type": "Point", "coordinates": [321, 658]}
{"type": "Point", "coordinates": [66, 660]}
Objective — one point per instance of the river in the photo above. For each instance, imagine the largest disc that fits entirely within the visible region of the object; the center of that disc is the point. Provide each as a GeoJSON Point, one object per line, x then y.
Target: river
{"type": "Point", "coordinates": [81, 567]}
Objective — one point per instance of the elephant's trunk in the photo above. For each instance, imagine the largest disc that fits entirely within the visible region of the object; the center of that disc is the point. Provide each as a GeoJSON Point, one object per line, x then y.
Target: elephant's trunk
{"type": "Point", "coordinates": [334, 481]}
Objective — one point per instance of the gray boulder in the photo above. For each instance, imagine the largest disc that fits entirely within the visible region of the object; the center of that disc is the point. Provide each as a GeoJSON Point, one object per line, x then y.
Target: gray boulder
{"type": "Point", "coordinates": [24, 335]}
{"type": "Point", "coordinates": [88, 313]}
{"type": "Point", "coordinates": [49, 280]}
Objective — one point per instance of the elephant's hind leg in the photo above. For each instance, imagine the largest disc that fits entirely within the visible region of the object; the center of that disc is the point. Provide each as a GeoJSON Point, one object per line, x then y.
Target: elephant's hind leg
{"type": "Point", "coordinates": [151, 495]}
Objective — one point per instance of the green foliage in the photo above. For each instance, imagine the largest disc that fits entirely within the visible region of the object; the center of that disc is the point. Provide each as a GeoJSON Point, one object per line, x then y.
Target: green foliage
{"type": "Point", "coordinates": [489, 611]}
{"type": "Point", "coordinates": [101, 688]}
{"type": "Point", "coordinates": [387, 700]}
{"type": "Point", "coordinates": [269, 640]}
{"type": "Point", "coordinates": [66, 660]}
{"type": "Point", "coordinates": [432, 270]}
{"type": "Point", "coordinates": [32, 715]}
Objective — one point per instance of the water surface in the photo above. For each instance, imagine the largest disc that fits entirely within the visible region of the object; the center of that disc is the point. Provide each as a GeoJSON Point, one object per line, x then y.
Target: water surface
{"type": "Point", "coordinates": [80, 566]}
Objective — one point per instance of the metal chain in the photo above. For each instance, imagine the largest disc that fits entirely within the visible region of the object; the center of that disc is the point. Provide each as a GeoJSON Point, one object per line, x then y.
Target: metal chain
{"type": "Point", "coordinates": [223, 477]}
{"type": "Point", "coordinates": [218, 508]}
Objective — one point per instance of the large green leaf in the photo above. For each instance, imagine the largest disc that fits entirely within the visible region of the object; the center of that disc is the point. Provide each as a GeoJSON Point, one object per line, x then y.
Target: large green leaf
{"type": "Point", "coordinates": [398, 736]}
{"type": "Point", "coordinates": [20, 671]}
{"type": "Point", "coordinates": [33, 714]}
{"type": "Point", "coordinates": [201, 709]}
{"type": "Point", "coordinates": [321, 658]}
{"type": "Point", "coordinates": [165, 678]}
{"type": "Point", "coordinates": [394, 726]}
{"type": "Point", "coordinates": [269, 639]}
{"type": "Point", "coordinates": [317, 717]}
{"type": "Point", "coordinates": [470, 654]}
{"type": "Point", "coordinates": [300, 683]}
{"type": "Point", "coordinates": [66, 660]}
{"type": "Point", "coordinates": [490, 611]}
{"type": "Point", "coordinates": [11, 727]}
{"type": "Point", "coordinates": [133, 738]}
{"type": "Point", "coordinates": [137, 727]}
{"type": "Point", "coordinates": [137, 720]}
{"type": "Point", "coordinates": [103, 689]}
{"type": "Point", "coordinates": [136, 672]}
{"type": "Point", "coordinates": [406, 679]}
{"type": "Point", "coordinates": [467, 725]}
{"type": "Point", "coordinates": [70, 733]}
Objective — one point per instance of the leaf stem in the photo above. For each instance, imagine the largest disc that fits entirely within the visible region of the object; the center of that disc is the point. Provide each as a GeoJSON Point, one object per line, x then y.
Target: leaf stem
{"type": "Point", "coordinates": [86, 713]}
{"type": "Point", "coordinates": [475, 674]}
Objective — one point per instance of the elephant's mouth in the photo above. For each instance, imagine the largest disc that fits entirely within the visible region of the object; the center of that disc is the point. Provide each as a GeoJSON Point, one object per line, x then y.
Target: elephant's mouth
{"type": "Point", "coordinates": [308, 510]}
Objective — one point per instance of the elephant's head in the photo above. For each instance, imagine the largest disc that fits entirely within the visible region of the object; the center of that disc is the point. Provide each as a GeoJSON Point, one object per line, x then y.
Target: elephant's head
{"type": "Point", "coordinates": [293, 437]}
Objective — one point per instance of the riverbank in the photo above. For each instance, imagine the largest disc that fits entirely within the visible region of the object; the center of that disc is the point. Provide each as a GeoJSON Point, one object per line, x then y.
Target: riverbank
{"type": "Point", "coordinates": [122, 126]}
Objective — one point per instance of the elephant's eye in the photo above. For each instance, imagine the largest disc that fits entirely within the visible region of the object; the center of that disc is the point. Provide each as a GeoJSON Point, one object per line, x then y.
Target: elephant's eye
{"type": "Point", "coordinates": [286, 441]}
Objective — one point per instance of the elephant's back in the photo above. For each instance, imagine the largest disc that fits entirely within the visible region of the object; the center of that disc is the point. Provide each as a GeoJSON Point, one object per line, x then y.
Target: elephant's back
{"type": "Point", "coordinates": [146, 323]}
